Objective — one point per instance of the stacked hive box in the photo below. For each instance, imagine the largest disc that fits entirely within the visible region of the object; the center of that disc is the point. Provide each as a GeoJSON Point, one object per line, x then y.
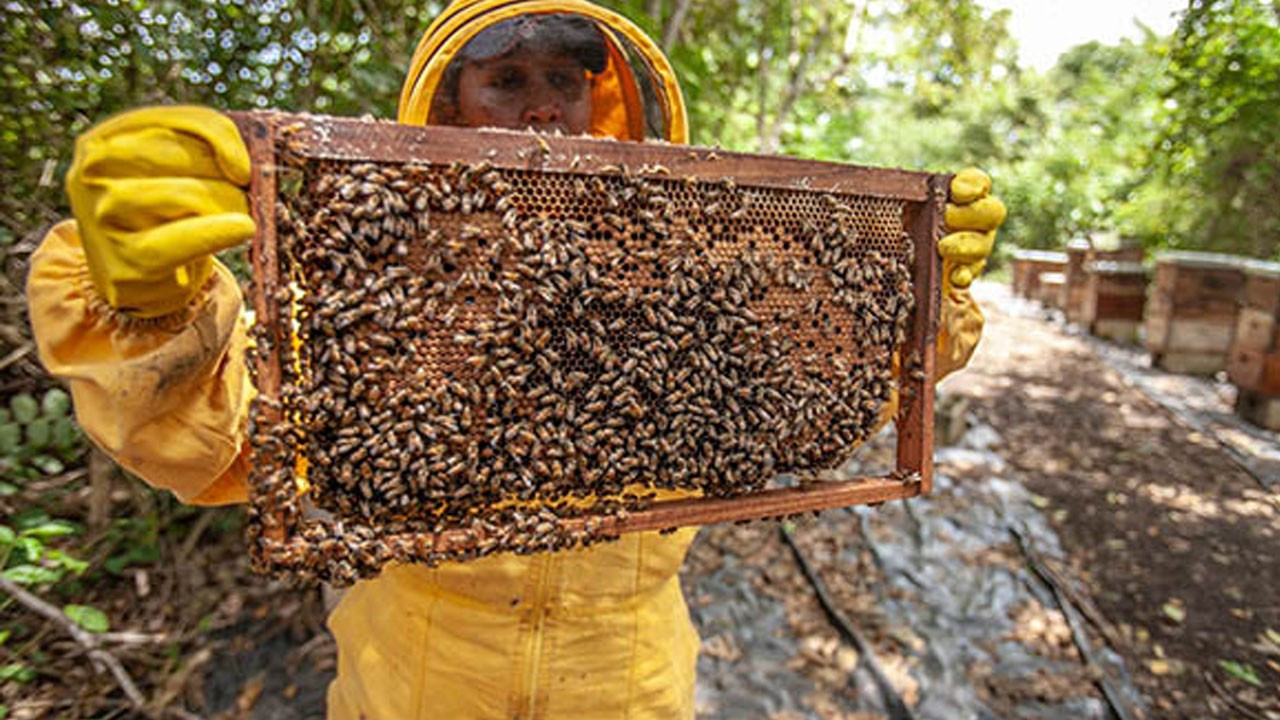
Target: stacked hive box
{"type": "Point", "coordinates": [1192, 310]}
{"type": "Point", "coordinates": [1028, 268]}
{"type": "Point", "coordinates": [1074, 280]}
{"type": "Point", "coordinates": [1115, 293]}
{"type": "Point", "coordinates": [1254, 364]}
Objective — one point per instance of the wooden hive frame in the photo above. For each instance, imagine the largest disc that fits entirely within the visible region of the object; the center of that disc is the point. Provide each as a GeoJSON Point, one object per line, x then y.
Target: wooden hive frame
{"type": "Point", "coordinates": [282, 539]}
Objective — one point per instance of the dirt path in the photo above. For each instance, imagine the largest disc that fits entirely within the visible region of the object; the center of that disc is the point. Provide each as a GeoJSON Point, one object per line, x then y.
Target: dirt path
{"type": "Point", "coordinates": [1179, 547]}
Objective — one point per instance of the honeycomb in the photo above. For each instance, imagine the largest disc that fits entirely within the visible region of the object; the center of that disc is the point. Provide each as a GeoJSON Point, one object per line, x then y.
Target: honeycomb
{"type": "Point", "coordinates": [507, 356]}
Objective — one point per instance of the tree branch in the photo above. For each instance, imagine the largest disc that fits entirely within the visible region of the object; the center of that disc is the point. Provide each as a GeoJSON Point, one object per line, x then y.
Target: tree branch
{"type": "Point", "coordinates": [86, 639]}
{"type": "Point", "coordinates": [653, 8]}
{"type": "Point", "coordinates": [796, 86]}
{"type": "Point", "coordinates": [675, 24]}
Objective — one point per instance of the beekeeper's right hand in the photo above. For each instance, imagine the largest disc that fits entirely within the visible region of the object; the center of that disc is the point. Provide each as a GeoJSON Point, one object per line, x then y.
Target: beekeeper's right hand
{"type": "Point", "coordinates": [156, 191]}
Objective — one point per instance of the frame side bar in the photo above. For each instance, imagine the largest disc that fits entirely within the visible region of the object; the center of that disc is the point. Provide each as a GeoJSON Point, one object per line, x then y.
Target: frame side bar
{"type": "Point", "coordinates": [918, 370]}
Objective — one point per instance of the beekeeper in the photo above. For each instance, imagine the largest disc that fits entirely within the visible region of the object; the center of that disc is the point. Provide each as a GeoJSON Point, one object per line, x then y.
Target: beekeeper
{"type": "Point", "coordinates": [131, 309]}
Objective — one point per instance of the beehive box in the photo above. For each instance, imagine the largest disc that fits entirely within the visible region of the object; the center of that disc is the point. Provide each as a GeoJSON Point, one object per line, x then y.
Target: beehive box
{"type": "Point", "coordinates": [1029, 265]}
{"type": "Point", "coordinates": [1074, 280]}
{"type": "Point", "coordinates": [1254, 363]}
{"type": "Point", "coordinates": [1192, 310]}
{"type": "Point", "coordinates": [1115, 295]}
{"type": "Point", "coordinates": [1049, 292]}
{"type": "Point", "coordinates": [483, 341]}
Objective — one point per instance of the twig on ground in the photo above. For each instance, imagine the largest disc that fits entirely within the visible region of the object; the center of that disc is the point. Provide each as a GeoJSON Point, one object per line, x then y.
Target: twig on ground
{"type": "Point", "coordinates": [86, 639]}
{"type": "Point", "coordinates": [173, 685]}
{"type": "Point", "coordinates": [1078, 634]}
{"type": "Point", "coordinates": [16, 355]}
{"type": "Point", "coordinates": [1230, 699]}
{"type": "Point", "coordinates": [1084, 604]}
{"type": "Point", "coordinates": [101, 468]}
{"type": "Point", "coordinates": [894, 705]}
{"type": "Point", "coordinates": [193, 536]}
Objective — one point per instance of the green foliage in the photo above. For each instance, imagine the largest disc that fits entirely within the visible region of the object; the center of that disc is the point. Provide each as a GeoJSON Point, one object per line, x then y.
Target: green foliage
{"type": "Point", "coordinates": [1221, 140]}
{"type": "Point", "coordinates": [89, 618]}
{"type": "Point", "coordinates": [26, 556]}
{"type": "Point", "coordinates": [69, 65]}
{"type": "Point", "coordinates": [37, 436]}
{"type": "Point", "coordinates": [16, 672]}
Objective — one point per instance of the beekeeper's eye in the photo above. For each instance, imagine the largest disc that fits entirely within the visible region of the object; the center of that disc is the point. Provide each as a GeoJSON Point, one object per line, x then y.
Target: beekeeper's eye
{"type": "Point", "coordinates": [564, 80]}
{"type": "Point", "coordinates": [507, 78]}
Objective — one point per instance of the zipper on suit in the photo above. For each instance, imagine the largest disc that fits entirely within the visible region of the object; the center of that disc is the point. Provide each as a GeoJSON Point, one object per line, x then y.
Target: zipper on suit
{"type": "Point", "coordinates": [534, 654]}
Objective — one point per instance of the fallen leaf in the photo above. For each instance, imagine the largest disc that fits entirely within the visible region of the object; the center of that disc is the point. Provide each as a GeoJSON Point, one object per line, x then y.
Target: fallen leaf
{"type": "Point", "coordinates": [722, 647]}
{"type": "Point", "coordinates": [249, 694]}
{"type": "Point", "coordinates": [1159, 667]}
{"type": "Point", "coordinates": [1268, 643]}
{"type": "Point", "coordinates": [847, 659]}
{"type": "Point", "coordinates": [1241, 671]}
{"type": "Point", "coordinates": [1173, 611]}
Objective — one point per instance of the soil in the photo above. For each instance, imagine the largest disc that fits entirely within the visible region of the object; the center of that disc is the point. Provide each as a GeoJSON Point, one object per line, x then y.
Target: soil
{"type": "Point", "coordinates": [1178, 546]}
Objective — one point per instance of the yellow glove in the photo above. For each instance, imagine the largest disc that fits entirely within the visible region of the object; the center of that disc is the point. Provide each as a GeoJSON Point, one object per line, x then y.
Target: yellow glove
{"type": "Point", "coordinates": [156, 192]}
{"type": "Point", "coordinates": [973, 217]}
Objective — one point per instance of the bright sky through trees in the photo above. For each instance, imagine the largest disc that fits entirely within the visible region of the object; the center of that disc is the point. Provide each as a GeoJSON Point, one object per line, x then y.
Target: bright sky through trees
{"type": "Point", "coordinates": [1044, 29]}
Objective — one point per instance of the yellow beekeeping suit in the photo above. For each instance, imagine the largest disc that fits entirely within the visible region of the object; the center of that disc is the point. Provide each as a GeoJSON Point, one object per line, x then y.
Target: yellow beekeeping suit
{"type": "Point", "coordinates": [597, 633]}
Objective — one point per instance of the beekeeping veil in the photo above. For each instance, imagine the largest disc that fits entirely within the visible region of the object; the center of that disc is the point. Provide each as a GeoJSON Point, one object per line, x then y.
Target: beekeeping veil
{"type": "Point", "coordinates": [634, 93]}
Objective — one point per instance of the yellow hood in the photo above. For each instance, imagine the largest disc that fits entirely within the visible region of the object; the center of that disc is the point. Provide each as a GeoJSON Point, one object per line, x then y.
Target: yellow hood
{"type": "Point", "coordinates": [617, 95]}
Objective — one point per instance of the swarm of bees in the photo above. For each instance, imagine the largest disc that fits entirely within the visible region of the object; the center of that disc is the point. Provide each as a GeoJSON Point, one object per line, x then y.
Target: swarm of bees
{"type": "Point", "coordinates": [503, 357]}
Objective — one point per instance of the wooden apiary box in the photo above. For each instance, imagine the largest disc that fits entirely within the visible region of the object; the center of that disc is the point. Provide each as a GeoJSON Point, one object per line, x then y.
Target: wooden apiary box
{"type": "Point", "coordinates": [1254, 362]}
{"type": "Point", "coordinates": [485, 341]}
{"type": "Point", "coordinates": [1115, 294]}
{"type": "Point", "coordinates": [1029, 265]}
{"type": "Point", "coordinates": [1192, 310]}
{"type": "Point", "coordinates": [1074, 280]}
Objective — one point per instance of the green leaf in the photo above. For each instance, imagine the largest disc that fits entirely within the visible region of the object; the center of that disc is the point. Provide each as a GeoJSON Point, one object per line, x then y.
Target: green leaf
{"type": "Point", "coordinates": [31, 575]}
{"type": "Point", "coordinates": [39, 433]}
{"type": "Point", "coordinates": [4, 635]}
{"type": "Point", "coordinates": [48, 464]}
{"type": "Point", "coordinates": [71, 564]}
{"type": "Point", "coordinates": [87, 617]}
{"type": "Point", "coordinates": [51, 529]}
{"type": "Point", "coordinates": [55, 403]}
{"type": "Point", "coordinates": [25, 408]}
{"type": "Point", "coordinates": [1241, 671]}
{"type": "Point", "coordinates": [16, 672]}
{"type": "Point", "coordinates": [65, 434]}
{"type": "Point", "coordinates": [31, 548]}
{"type": "Point", "coordinates": [1174, 612]}
{"type": "Point", "coordinates": [10, 438]}
{"type": "Point", "coordinates": [7, 535]}
{"type": "Point", "coordinates": [7, 489]}
{"type": "Point", "coordinates": [31, 517]}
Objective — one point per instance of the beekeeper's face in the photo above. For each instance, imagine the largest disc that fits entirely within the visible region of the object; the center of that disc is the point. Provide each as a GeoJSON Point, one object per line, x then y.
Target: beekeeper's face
{"type": "Point", "coordinates": [527, 88]}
